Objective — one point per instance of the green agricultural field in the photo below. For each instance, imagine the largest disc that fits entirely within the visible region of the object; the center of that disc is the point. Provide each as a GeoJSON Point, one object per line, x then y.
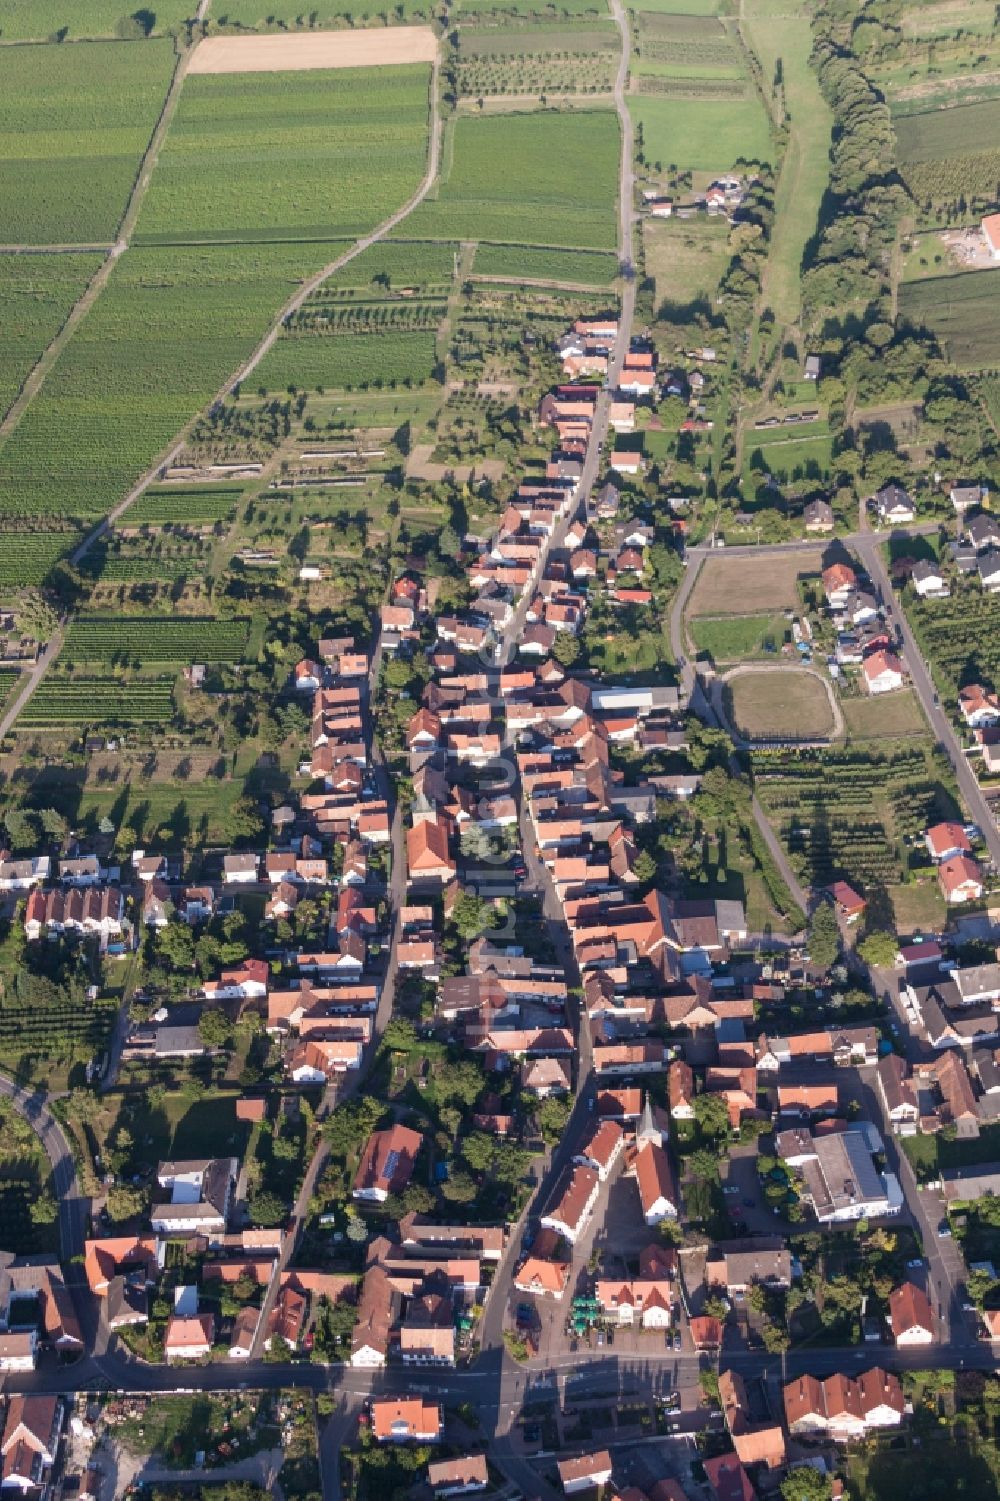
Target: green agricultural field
{"type": "Point", "coordinates": [536, 179]}
{"type": "Point", "coordinates": [73, 703]}
{"type": "Point", "coordinates": [963, 311]}
{"type": "Point", "coordinates": [481, 12]}
{"type": "Point", "coordinates": [805, 169]}
{"type": "Point", "coordinates": [147, 639]}
{"type": "Point", "coordinates": [537, 39]}
{"type": "Point", "coordinates": [279, 155]}
{"type": "Point", "coordinates": [37, 293]}
{"type": "Point", "coordinates": [26, 557]}
{"type": "Point", "coordinates": [587, 268]}
{"type": "Point", "coordinates": [9, 679]}
{"type": "Point", "coordinates": [711, 137]}
{"type": "Point", "coordinates": [37, 20]}
{"type": "Point", "coordinates": [265, 15]}
{"type": "Point", "coordinates": [395, 264]}
{"type": "Point", "coordinates": [170, 327]}
{"type": "Point", "coordinates": [74, 123]}
{"type": "Point", "coordinates": [348, 361]}
{"type": "Point", "coordinates": [685, 7]}
{"type": "Point", "coordinates": [945, 154]}
{"type": "Point", "coordinates": [162, 505]}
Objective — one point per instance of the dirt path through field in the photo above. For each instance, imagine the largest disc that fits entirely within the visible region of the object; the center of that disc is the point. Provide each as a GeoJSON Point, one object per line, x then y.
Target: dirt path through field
{"type": "Point", "coordinates": [296, 51]}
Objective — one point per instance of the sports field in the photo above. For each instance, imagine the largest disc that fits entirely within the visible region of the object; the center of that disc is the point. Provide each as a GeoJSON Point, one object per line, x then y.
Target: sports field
{"type": "Point", "coordinates": [741, 586]}
{"type": "Point", "coordinates": [537, 179]}
{"type": "Point", "coordinates": [74, 123]}
{"type": "Point", "coordinates": [786, 703]}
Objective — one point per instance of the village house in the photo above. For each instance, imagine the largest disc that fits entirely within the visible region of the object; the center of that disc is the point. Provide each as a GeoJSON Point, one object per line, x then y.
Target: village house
{"type": "Point", "coordinates": [386, 1164]}
{"type": "Point", "coordinates": [585, 1473]}
{"type": "Point", "coordinates": [406, 1420]}
{"type": "Point", "coordinates": [574, 1202]}
{"type": "Point", "coordinates": [911, 1316]}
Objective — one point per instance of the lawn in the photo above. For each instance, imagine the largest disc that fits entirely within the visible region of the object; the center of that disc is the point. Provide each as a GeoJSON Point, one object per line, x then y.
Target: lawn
{"type": "Point", "coordinates": [784, 704]}
{"type": "Point", "coordinates": [170, 327]}
{"type": "Point", "coordinates": [37, 20]}
{"type": "Point", "coordinates": [686, 257]}
{"type": "Point", "coordinates": [944, 1466]}
{"type": "Point", "coordinates": [741, 586]}
{"type": "Point", "coordinates": [74, 123]}
{"type": "Point", "coordinates": [885, 717]}
{"type": "Point", "coordinates": [36, 295]}
{"type": "Point", "coordinates": [805, 457]}
{"type": "Point", "coordinates": [738, 638]}
{"type": "Point", "coordinates": [929, 1154]}
{"type": "Point", "coordinates": [706, 135]}
{"type": "Point", "coordinates": [805, 168]}
{"type": "Point", "coordinates": [918, 907]}
{"type": "Point", "coordinates": [276, 155]}
{"type": "Point", "coordinates": [173, 1126]}
{"type": "Point", "coordinates": [963, 311]}
{"type": "Point", "coordinates": [541, 178]}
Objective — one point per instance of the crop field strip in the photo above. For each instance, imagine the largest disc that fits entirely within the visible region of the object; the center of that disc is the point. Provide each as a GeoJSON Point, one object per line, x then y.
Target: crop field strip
{"type": "Point", "coordinates": [539, 263]}
{"type": "Point", "coordinates": [36, 295]}
{"type": "Point", "coordinates": [355, 360]}
{"type": "Point", "coordinates": [146, 639]}
{"type": "Point", "coordinates": [268, 155]}
{"type": "Point", "coordinates": [118, 559]}
{"type": "Point", "coordinates": [37, 20]}
{"type": "Point", "coordinates": [502, 12]}
{"type": "Point", "coordinates": [162, 505]}
{"type": "Point", "coordinates": [963, 311]}
{"type": "Point", "coordinates": [74, 123]}
{"type": "Point", "coordinates": [533, 179]}
{"type": "Point", "coordinates": [26, 557]}
{"type": "Point", "coordinates": [62, 702]}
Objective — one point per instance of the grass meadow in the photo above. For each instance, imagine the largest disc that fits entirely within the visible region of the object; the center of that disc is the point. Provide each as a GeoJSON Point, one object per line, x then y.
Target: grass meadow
{"type": "Point", "coordinates": [805, 169]}
{"type": "Point", "coordinates": [287, 155]}
{"type": "Point", "coordinates": [542, 178]}
{"type": "Point", "coordinates": [707, 135]}
{"type": "Point", "coordinates": [74, 123]}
